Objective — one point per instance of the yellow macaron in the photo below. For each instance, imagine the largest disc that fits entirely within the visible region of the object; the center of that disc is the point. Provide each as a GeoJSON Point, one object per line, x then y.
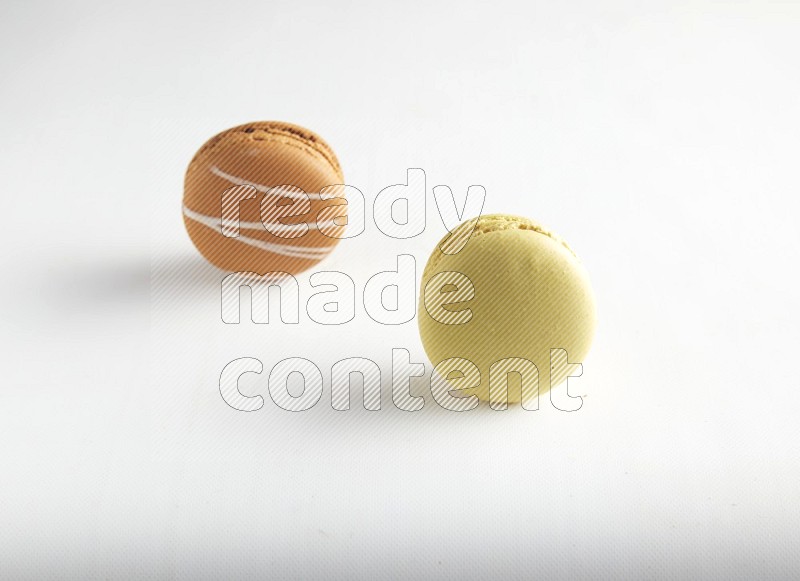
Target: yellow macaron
{"type": "Point", "coordinates": [515, 292]}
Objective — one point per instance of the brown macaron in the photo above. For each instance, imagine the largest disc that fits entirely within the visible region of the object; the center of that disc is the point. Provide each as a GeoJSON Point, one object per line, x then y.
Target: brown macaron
{"type": "Point", "coordinates": [253, 203]}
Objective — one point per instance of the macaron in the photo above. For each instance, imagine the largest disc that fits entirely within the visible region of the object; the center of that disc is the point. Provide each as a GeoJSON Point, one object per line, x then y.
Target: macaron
{"type": "Point", "coordinates": [515, 292]}
{"type": "Point", "coordinates": [252, 200]}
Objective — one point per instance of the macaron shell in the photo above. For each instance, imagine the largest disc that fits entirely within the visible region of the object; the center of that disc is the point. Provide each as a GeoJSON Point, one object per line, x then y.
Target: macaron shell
{"type": "Point", "coordinates": [531, 295]}
{"type": "Point", "coordinates": [275, 132]}
{"type": "Point", "coordinates": [266, 155]}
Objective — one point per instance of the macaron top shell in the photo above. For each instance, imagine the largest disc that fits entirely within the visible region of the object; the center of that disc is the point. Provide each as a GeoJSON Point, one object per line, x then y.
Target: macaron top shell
{"type": "Point", "coordinates": [273, 131]}
{"type": "Point", "coordinates": [491, 223]}
{"type": "Point", "coordinates": [532, 295]}
{"type": "Point", "coordinates": [264, 153]}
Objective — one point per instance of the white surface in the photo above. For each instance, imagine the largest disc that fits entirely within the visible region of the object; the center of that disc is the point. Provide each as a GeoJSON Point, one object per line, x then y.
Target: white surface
{"type": "Point", "coordinates": [658, 138]}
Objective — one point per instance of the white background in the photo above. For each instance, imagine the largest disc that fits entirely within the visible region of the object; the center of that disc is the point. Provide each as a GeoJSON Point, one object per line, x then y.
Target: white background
{"type": "Point", "coordinates": [659, 138]}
